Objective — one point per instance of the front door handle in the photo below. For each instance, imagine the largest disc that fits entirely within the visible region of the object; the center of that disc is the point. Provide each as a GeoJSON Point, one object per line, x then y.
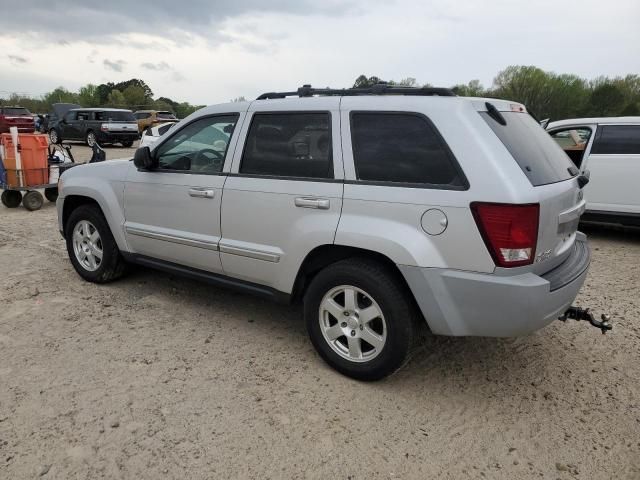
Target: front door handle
{"type": "Point", "coordinates": [312, 202]}
{"type": "Point", "coordinates": [201, 193]}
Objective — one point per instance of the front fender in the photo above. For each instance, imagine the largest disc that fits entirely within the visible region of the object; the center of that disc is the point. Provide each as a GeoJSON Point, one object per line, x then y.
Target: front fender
{"type": "Point", "coordinates": [107, 192]}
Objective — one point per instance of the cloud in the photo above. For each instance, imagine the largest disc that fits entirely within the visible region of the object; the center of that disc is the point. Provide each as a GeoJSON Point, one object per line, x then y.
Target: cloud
{"type": "Point", "coordinates": [96, 21]}
{"type": "Point", "coordinates": [158, 67]}
{"type": "Point", "coordinates": [17, 59]}
{"type": "Point", "coordinates": [116, 66]}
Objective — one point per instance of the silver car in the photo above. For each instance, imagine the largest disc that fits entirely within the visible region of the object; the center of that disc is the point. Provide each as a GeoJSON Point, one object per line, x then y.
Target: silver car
{"type": "Point", "coordinates": [379, 209]}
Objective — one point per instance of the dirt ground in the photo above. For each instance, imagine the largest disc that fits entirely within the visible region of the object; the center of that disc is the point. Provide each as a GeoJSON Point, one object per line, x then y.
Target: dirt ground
{"type": "Point", "coordinates": [155, 376]}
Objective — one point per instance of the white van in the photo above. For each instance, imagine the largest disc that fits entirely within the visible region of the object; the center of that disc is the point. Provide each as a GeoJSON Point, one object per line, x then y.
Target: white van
{"type": "Point", "coordinates": [610, 149]}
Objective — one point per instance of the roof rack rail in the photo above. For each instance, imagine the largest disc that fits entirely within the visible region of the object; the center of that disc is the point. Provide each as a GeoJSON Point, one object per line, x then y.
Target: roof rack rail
{"type": "Point", "coordinates": [378, 89]}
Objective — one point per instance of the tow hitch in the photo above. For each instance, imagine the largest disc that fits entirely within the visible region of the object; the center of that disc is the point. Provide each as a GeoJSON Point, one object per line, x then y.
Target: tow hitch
{"type": "Point", "coordinates": [577, 313]}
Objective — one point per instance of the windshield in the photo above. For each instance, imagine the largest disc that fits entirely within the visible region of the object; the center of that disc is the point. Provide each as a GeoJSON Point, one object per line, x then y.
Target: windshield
{"type": "Point", "coordinates": [539, 157]}
{"type": "Point", "coordinates": [166, 115]}
{"type": "Point", "coordinates": [116, 116]}
{"type": "Point", "coordinates": [15, 111]}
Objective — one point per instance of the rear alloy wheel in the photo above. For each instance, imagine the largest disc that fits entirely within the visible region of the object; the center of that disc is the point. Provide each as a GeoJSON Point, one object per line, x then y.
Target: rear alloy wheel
{"type": "Point", "coordinates": [360, 319]}
{"type": "Point", "coordinates": [54, 137]}
{"type": "Point", "coordinates": [32, 200]}
{"type": "Point", "coordinates": [11, 198]}
{"type": "Point", "coordinates": [90, 139]}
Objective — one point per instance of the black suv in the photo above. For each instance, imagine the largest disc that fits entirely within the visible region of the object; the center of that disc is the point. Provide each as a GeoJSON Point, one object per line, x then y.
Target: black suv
{"type": "Point", "coordinates": [94, 125]}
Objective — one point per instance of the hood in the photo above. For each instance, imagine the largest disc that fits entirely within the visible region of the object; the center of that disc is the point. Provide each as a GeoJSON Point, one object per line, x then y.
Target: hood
{"type": "Point", "coordinates": [61, 109]}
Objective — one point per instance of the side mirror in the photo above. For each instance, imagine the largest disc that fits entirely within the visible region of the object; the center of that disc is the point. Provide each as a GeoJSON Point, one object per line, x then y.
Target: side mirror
{"type": "Point", "coordinates": [143, 159]}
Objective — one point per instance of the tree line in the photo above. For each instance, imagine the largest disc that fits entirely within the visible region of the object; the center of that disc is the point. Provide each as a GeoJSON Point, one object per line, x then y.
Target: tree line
{"type": "Point", "coordinates": [546, 94]}
{"type": "Point", "coordinates": [132, 94]}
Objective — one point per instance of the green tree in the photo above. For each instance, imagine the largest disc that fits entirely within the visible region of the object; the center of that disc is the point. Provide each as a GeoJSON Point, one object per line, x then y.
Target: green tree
{"type": "Point", "coordinates": [606, 100]}
{"type": "Point", "coordinates": [472, 89]}
{"type": "Point", "coordinates": [116, 99]}
{"type": "Point", "coordinates": [135, 97]}
{"type": "Point", "coordinates": [60, 95]}
{"type": "Point", "coordinates": [88, 96]}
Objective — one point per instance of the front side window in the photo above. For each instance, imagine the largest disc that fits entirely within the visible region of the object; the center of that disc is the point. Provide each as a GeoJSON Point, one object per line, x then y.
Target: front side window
{"type": "Point", "coordinates": [617, 140]}
{"type": "Point", "coordinates": [200, 147]}
{"type": "Point", "coordinates": [573, 141]}
{"type": "Point", "coordinates": [71, 116]}
{"type": "Point", "coordinates": [83, 115]}
{"type": "Point", "coordinates": [289, 145]}
{"type": "Point", "coordinates": [401, 148]}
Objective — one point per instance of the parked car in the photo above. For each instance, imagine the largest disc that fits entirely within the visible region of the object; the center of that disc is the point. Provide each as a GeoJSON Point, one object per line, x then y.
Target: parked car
{"type": "Point", "coordinates": [152, 134]}
{"type": "Point", "coordinates": [150, 118]}
{"type": "Point", "coordinates": [609, 148]}
{"type": "Point", "coordinates": [378, 208]}
{"type": "Point", "coordinates": [91, 125]}
{"type": "Point", "coordinates": [18, 117]}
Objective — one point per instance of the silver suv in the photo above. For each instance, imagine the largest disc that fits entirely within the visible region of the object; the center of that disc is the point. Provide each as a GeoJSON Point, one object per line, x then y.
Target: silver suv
{"type": "Point", "coordinates": [378, 208]}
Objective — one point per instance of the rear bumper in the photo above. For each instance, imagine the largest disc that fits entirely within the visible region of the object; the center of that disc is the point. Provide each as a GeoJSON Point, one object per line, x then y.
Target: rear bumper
{"type": "Point", "coordinates": [462, 303]}
{"type": "Point", "coordinates": [117, 136]}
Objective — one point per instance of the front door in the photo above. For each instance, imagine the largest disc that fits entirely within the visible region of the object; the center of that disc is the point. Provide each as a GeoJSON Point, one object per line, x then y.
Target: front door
{"type": "Point", "coordinates": [284, 195]}
{"type": "Point", "coordinates": [173, 212]}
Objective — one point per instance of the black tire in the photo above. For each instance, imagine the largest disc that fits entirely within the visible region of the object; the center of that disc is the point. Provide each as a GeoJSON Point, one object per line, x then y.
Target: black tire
{"type": "Point", "coordinates": [51, 194]}
{"type": "Point", "coordinates": [385, 287]}
{"type": "Point", "coordinates": [54, 136]}
{"type": "Point", "coordinates": [11, 198]}
{"type": "Point", "coordinates": [88, 138]}
{"type": "Point", "coordinates": [127, 143]}
{"type": "Point", "coordinates": [112, 265]}
{"type": "Point", "coordinates": [32, 200]}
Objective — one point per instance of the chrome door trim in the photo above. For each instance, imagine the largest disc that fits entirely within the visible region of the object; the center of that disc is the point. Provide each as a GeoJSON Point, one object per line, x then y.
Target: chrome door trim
{"type": "Point", "coordinates": [172, 238]}
{"type": "Point", "coordinates": [246, 252]}
{"type": "Point", "coordinates": [202, 192]}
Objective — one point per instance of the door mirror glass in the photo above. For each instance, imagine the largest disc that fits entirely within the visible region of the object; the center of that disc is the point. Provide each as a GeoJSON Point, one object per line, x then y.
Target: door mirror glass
{"type": "Point", "coordinates": [144, 160]}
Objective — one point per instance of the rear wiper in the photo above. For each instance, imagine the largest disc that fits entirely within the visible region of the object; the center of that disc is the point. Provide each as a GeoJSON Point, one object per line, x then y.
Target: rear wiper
{"type": "Point", "coordinates": [495, 113]}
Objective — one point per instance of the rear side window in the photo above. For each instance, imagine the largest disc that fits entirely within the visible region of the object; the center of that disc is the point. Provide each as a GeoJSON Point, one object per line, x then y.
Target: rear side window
{"type": "Point", "coordinates": [402, 148]}
{"type": "Point", "coordinates": [617, 139]}
{"type": "Point", "coordinates": [539, 157]}
{"type": "Point", "coordinates": [289, 145]}
{"type": "Point", "coordinates": [115, 116]}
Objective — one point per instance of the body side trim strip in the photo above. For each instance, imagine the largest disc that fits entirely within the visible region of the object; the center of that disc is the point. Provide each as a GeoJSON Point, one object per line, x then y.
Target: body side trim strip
{"type": "Point", "coordinates": [172, 238]}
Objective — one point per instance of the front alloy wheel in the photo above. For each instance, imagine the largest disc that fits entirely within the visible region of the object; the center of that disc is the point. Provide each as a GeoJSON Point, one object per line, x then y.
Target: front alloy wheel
{"type": "Point", "coordinates": [87, 245]}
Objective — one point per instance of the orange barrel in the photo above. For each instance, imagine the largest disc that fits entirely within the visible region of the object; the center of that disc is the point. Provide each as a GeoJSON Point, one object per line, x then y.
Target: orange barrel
{"type": "Point", "coordinates": [33, 150]}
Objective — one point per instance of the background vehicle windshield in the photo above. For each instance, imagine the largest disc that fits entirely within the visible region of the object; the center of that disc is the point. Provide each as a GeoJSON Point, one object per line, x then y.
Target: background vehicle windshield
{"type": "Point", "coordinates": [14, 111]}
{"type": "Point", "coordinates": [166, 116]}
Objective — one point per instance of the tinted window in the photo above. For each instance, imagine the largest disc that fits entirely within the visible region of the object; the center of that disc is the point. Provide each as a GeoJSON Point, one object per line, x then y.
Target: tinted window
{"type": "Point", "coordinates": [14, 111]}
{"type": "Point", "coordinates": [115, 116]}
{"type": "Point", "coordinates": [166, 115]}
{"type": "Point", "coordinates": [539, 157]}
{"type": "Point", "coordinates": [617, 139]}
{"type": "Point", "coordinates": [402, 148]}
{"type": "Point", "coordinates": [83, 115]}
{"type": "Point", "coordinates": [164, 128]}
{"type": "Point", "coordinates": [70, 116]}
{"type": "Point", "coordinates": [289, 145]}
{"type": "Point", "coordinates": [200, 147]}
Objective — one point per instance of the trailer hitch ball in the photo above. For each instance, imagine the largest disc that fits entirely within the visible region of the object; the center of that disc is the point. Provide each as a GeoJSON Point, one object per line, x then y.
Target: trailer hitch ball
{"type": "Point", "coordinates": [577, 313]}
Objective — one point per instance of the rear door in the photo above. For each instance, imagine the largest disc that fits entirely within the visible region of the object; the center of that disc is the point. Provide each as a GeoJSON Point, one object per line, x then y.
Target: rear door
{"type": "Point", "coordinates": [284, 195]}
{"type": "Point", "coordinates": [173, 213]}
{"type": "Point", "coordinates": [614, 165]}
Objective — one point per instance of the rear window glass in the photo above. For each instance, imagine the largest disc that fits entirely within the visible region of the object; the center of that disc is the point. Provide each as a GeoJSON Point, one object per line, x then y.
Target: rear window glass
{"type": "Point", "coordinates": [14, 111]}
{"type": "Point", "coordinates": [617, 139]}
{"type": "Point", "coordinates": [166, 115]}
{"type": "Point", "coordinates": [401, 148]}
{"type": "Point", "coordinates": [539, 157]}
{"type": "Point", "coordinates": [117, 116]}
{"type": "Point", "coordinates": [164, 128]}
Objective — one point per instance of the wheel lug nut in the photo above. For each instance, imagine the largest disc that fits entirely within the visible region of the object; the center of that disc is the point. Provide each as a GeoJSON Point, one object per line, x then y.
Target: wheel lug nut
{"type": "Point", "coordinates": [343, 324]}
{"type": "Point", "coordinates": [346, 314]}
{"type": "Point", "coordinates": [353, 333]}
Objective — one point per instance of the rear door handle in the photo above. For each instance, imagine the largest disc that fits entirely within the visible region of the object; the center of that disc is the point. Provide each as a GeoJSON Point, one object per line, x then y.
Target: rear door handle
{"type": "Point", "coordinates": [312, 202]}
{"type": "Point", "coordinates": [201, 193]}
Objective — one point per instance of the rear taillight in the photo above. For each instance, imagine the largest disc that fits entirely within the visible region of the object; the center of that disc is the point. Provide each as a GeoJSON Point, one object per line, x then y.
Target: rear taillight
{"type": "Point", "coordinates": [510, 232]}
{"type": "Point", "coordinates": [104, 127]}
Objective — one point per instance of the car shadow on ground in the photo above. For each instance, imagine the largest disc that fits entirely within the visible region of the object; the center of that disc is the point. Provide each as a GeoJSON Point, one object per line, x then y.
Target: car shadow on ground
{"type": "Point", "coordinates": [615, 233]}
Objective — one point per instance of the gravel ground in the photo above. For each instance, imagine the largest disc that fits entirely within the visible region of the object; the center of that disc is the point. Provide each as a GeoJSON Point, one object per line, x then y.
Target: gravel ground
{"type": "Point", "coordinates": [156, 377]}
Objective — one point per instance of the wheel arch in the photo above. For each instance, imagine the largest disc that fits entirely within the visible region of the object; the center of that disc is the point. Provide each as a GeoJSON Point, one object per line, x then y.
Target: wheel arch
{"type": "Point", "coordinates": [325, 255]}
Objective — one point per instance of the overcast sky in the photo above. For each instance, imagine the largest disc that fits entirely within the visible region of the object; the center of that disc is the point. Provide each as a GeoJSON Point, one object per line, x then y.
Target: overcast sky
{"type": "Point", "coordinates": [208, 52]}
